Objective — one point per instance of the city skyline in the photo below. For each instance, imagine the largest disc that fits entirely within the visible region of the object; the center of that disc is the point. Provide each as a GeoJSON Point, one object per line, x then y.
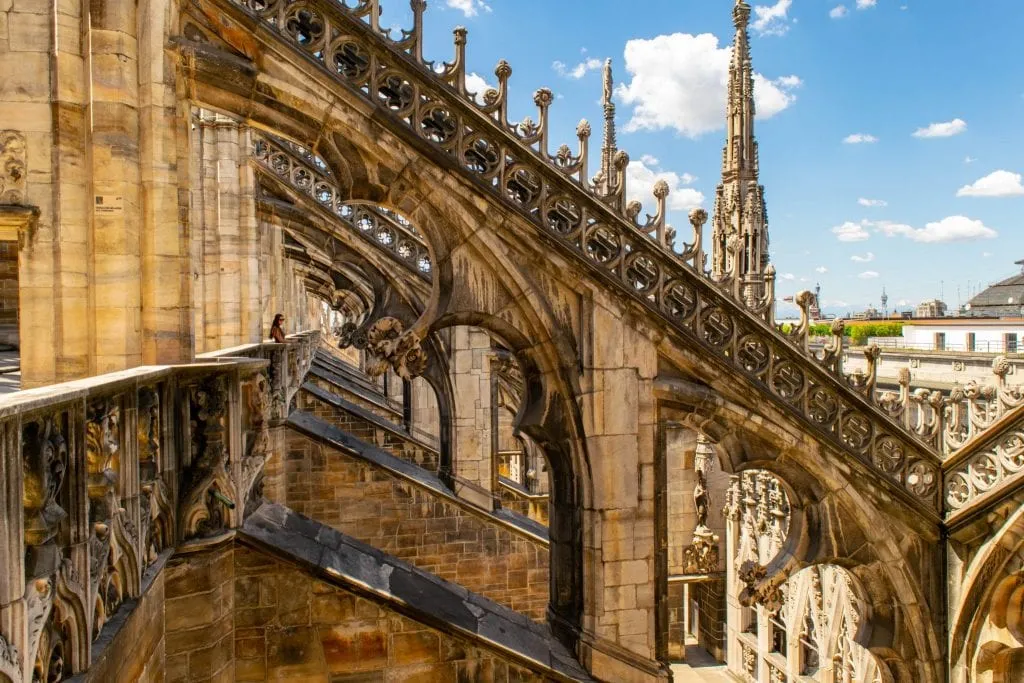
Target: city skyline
{"type": "Point", "coordinates": [890, 166]}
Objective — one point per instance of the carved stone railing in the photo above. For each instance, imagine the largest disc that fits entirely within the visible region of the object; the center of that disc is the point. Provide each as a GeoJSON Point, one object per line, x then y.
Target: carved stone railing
{"type": "Point", "coordinates": [982, 429]}
{"type": "Point", "coordinates": [986, 469]}
{"type": "Point", "coordinates": [512, 162]}
{"type": "Point", "coordinates": [101, 478]}
{"type": "Point", "coordinates": [306, 173]}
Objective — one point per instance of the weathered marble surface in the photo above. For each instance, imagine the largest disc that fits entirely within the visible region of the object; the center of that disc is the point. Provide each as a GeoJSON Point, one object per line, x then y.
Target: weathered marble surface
{"type": "Point", "coordinates": [340, 559]}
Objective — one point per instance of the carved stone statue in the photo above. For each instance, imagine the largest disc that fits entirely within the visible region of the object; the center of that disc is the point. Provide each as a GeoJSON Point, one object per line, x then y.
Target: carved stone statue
{"type": "Point", "coordinates": [13, 173]}
{"type": "Point", "coordinates": [701, 501]}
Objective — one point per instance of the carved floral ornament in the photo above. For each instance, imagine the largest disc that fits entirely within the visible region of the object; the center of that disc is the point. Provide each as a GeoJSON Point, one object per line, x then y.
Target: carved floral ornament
{"type": "Point", "coordinates": [388, 345]}
{"type": "Point", "coordinates": [13, 171]}
{"type": "Point", "coordinates": [45, 459]}
{"type": "Point", "coordinates": [513, 161]}
{"type": "Point", "coordinates": [209, 503]}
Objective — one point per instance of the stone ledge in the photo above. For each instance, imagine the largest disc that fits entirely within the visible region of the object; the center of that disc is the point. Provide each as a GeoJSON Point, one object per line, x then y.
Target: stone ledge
{"type": "Point", "coordinates": [316, 428]}
{"type": "Point", "coordinates": [318, 370]}
{"type": "Point", "coordinates": [345, 370]}
{"type": "Point", "coordinates": [340, 403]}
{"type": "Point", "coordinates": [420, 595]}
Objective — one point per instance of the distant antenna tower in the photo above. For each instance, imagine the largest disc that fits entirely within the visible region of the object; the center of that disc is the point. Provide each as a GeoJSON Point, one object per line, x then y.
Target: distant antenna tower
{"type": "Point", "coordinates": [885, 303]}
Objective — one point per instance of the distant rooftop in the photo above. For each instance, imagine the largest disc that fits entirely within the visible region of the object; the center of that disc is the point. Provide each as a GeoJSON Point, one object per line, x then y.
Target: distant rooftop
{"type": "Point", "coordinates": [1003, 299]}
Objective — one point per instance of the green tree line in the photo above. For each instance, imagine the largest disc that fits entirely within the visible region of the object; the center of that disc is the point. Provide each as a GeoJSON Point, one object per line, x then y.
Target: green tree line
{"type": "Point", "coordinates": [858, 334]}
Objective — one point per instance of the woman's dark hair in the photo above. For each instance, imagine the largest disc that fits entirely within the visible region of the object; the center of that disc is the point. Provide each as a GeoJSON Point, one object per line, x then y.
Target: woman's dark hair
{"type": "Point", "coordinates": [277, 320]}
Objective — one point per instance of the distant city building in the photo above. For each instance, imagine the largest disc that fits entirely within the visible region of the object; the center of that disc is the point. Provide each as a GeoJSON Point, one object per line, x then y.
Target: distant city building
{"type": "Point", "coordinates": [933, 308]}
{"type": "Point", "coordinates": [815, 309]}
{"type": "Point", "coordinates": [959, 334]}
{"type": "Point", "coordinates": [869, 313]}
{"type": "Point", "coordinates": [1001, 300]}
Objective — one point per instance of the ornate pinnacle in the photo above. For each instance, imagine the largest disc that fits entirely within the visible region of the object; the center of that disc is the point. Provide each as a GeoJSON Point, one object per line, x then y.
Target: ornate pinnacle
{"type": "Point", "coordinates": [608, 143]}
{"type": "Point", "coordinates": [607, 96]}
{"type": "Point", "coordinates": [740, 15]}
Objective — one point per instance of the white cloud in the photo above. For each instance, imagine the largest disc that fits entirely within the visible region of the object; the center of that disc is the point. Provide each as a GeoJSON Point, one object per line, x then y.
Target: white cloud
{"type": "Point", "coordinates": [821, 269]}
{"type": "Point", "coordinates": [866, 258]}
{"type": "Point", "coordinates": [788, 276]}
{"type": "Point", "coordinates": [859, 138]}
{"type": "Point", "coordinates": [864, 4]}
{"type": "Point", "coordinates": [969, 159]}
{"type": "Point", "coordinates": [986, 254]}
{"type": "Point", "coordinates": [949, 229]}
{"type": "Point", "coordinates": [578, 71]}
{"type": "Point", "coordinates": [476, 84]}
{"type": "Point", "coordinates": [771, 20]}
{"type": "Point", "coordinates": [679, 81]}
{"type": "Point", "coordinates": [850, 232]}
{"type": "Point", "coordinates": [838, 12]}
{"type": "Point", "coordinates": [469, 7]}
{"type": "Point", "coordinates": [868, 275]}
{"type": "Point", "coordinates": [995, 184]}
{"type": "Point", "coordinates": [872, 202]}
{"type": "Point", "coordinates": [641, 176]}
{"type": "Point", "coordinates": [941, 130]}
{"type": "Point", "coordinates": [834, 302]}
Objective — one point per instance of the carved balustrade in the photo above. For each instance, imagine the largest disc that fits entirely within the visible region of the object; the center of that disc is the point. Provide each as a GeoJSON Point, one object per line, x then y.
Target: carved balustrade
{"type": "Point", "coordinates": [100, 478]}
{"type": "Point", "coordinates": [309, 175]}
{"type": "Point", "coordinates": [513, 162]}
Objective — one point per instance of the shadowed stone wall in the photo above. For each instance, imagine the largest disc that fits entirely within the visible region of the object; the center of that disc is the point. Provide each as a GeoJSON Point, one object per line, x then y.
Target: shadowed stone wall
{"type": "Point", "coordinates": [416, 524]}
{"type": "Point", "coordinates": [291, 627]}
{"type": "Point", "coordinates": [142, 635]}
{"type": "Point", "coordinates": [199, 616]}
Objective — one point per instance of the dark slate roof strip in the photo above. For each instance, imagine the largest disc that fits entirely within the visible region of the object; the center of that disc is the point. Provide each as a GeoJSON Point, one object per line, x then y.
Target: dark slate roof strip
{"type": "Point", "coordinates": [409, 590]}
{"type": "Point", "coordinates": [323, 373]}
{"type": "Point", "coordinates": [523, 522]}
{"type": "Point", "coordinates": [514, 485]}
{"type": "Point", "coordinates": [319, 429]}
{"type": "Point", "coordinates": [362, 413]}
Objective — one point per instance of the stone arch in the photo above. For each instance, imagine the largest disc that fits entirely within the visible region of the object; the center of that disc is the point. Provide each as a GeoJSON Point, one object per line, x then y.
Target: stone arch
{"type": "Point", "coordinates": [989, 614]}
{"type": "Point", "coordinates": [839, 527]}
{"type": "Point", "coordinates": [546, 419]}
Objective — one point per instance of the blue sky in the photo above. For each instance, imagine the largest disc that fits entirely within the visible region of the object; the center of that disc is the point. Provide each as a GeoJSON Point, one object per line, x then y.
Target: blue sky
{"type": "Point", "coordinates": [878, 70]}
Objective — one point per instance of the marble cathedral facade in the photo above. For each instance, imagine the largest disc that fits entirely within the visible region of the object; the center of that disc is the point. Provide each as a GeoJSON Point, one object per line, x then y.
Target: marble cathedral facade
{"type": "Point", "coordinates": [512, 428]}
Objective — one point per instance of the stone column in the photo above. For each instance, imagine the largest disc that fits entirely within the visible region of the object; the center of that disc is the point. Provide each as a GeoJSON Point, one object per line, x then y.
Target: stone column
{"type": "Point", "coordinates": [224, 235]}
{"type": "Point", "coordinates": [43, 107]}
{"type": "Point", "coordinates": [250, 294]}
{"type": "Point", "coordinates": [116, 214]}
{"type": "Point", "coordinates": [733, 609]}
{"type": "Point", "coordinates": [619, 418]}
{"type": "Point", "coordinates": [471, 382]}
{"type": "Point", "coordinates": [167, 333]}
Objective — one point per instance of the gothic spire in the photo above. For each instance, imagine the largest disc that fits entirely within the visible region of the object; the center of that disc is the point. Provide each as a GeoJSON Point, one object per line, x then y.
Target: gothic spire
{"type": "Point", "coordinates": [608, 142]}
{"type": "Point", "coordinates": [740, 224]}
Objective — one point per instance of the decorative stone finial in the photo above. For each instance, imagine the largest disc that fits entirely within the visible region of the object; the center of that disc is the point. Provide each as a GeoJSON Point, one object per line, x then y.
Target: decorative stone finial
{"type": "Point", "coordinates": [661, 189]}
{"type": "Point", "coordinates": [741, 14]}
